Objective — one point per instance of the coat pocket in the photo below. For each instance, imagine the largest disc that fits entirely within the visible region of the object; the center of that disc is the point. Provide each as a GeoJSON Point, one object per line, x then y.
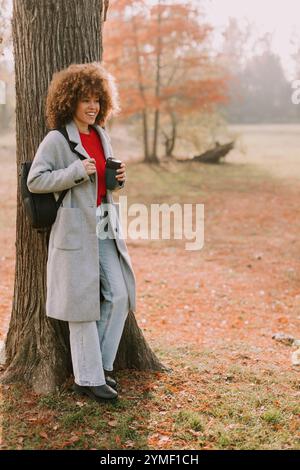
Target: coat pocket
{"type": "Point", "coordinates": [68, 229]}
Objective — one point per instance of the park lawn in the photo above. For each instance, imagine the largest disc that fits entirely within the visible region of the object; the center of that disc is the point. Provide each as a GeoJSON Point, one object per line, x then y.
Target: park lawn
{"type": "Point", "coordinates": [204, 403]}
{"type": "Point", "coordinates": [209, 315]}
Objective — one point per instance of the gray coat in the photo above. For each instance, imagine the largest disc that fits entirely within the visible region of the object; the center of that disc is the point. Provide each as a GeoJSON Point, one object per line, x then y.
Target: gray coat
{"type": "Point", "coordinates": [73, 273]}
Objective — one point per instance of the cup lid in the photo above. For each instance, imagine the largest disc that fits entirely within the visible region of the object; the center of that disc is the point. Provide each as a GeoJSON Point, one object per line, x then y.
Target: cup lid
{"type": "Point", "coordinates": [113, 163]}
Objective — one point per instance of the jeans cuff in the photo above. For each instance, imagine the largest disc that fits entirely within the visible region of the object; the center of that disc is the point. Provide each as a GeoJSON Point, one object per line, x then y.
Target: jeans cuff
{"type": "Point", "coordinates": [85, 383]}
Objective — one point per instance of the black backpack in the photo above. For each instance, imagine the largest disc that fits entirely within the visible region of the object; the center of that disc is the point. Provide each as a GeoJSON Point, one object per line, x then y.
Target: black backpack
{"type": "Point", "coordinates": [41, 209]}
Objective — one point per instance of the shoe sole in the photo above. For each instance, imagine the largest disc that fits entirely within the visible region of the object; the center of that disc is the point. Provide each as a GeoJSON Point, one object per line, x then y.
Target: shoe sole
{"type": "Point", "coordinates": [92, 396]}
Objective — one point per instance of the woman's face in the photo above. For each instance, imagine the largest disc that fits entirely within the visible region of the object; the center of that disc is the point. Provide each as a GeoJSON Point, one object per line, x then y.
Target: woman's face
{"type": "Point", "coordinates": [87, 110]}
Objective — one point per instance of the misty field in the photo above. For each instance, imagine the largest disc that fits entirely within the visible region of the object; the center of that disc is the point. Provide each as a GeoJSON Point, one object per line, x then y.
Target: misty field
{"type": "Point", "coordinates": [209, 315]}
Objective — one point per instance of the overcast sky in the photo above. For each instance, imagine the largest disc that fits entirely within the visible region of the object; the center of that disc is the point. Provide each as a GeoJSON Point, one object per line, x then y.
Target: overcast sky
{"type": "Point", "coordinates": [280, 17]}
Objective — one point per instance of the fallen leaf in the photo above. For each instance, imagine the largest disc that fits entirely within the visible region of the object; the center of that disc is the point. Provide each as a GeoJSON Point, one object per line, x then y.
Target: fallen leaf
{"type": "Point", "coordinates": [112, 423]}
{"type": "Point", "coordinates": [163, 440]}
{"type": "Point", "coordinates": [129, 444]}
{"type": "Point", "coordinates": [283, 320]}
{"type": "Point", "coordinates": [70, 442]}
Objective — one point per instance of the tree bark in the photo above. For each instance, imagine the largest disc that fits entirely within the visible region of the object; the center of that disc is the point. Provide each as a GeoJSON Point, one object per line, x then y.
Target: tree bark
{"type": "Point", "coordinates": [49, 35]}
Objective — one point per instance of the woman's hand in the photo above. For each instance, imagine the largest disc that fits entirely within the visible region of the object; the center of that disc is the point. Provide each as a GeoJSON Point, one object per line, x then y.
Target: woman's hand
{"type": "Point", "coordinates": [121, 173]}
{"type": "Point", "coordinates": [90, 165]}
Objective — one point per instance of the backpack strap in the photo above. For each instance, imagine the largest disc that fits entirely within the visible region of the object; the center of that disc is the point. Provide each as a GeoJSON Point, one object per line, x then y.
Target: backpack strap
{"type": "Point", "coordinates": [72, 146]}
{"type": "Point", "coordinates": [61, 196]}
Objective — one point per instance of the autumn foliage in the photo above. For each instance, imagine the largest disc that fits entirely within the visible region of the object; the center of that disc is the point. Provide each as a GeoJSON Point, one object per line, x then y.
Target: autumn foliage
{"type": "Point", "coordinates": [161, 56]}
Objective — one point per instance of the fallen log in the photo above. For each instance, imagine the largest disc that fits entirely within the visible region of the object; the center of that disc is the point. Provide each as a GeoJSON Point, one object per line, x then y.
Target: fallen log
{"type": "Point", "coordinates": [213, 155]}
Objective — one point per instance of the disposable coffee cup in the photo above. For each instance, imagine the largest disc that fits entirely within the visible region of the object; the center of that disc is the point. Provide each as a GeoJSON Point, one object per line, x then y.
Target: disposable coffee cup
{"type": "Point", "coordinates": [112, 165]}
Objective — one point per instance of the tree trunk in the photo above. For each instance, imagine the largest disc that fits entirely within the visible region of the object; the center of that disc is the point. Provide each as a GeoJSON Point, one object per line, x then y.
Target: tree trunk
{"type": "Point", "coordinates": [142, 90]}
{"type": "Point", "coordinates": [48, 36]}
{"type": "Point", "coordinates": [145, 135]}
{"type": "Point", "coordinates": [170, 140]}
{"type": "Point", "coordinates": [134, 352]}
{"type": "Point", "coordinates": [153, 156]}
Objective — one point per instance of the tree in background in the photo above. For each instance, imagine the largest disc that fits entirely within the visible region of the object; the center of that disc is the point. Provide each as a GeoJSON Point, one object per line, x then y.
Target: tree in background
{"type": "Point", "coordinates": [7, 109]}
{"type": "Point", "coordinates": [161, 56]}
{"type": "Point", "coordinates": [295, 42]}
{"type": "Point", "coordinates": [60, 32]}
{"type": "Point", "coordinates": [259, 91]}
{"type": "Point", "coordinates": [265, 89]}
{"type": "Point", "coordinates": [4, 26]}
{"type": "Point", "coordinates": [236, 47]}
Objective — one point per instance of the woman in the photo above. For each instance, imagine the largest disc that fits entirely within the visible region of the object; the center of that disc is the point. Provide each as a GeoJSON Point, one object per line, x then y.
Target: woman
{"type": "Point", "coordinates": [90, 279]}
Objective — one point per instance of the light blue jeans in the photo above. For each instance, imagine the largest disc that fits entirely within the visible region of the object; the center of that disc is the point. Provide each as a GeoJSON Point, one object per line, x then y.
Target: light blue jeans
{"type": "Point", "coordinates": [94, 345]}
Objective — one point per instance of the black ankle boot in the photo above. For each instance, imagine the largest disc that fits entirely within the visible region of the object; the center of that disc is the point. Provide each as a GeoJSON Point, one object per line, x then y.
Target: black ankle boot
{"type": "Point", "coordinates": [109, 380]}
{"type": "Point", "coordinates": [98, 393]}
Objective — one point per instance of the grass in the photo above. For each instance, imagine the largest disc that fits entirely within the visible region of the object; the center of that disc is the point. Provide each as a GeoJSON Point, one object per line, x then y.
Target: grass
{"type": "Point", "coordinates": [188, 419]}
{"type": "Point", "coordinates": [191, 180]}
{"type": "Point", "coordinates": [182, 409]}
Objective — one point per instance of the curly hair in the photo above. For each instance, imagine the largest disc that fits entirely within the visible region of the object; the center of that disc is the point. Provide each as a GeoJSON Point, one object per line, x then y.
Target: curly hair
{"type": "Point", "coordinates": [76, 82]}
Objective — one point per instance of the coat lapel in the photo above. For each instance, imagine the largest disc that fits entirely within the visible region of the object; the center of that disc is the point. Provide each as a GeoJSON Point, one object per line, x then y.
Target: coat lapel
{"type": "Point", "coordinates": [74, 136]}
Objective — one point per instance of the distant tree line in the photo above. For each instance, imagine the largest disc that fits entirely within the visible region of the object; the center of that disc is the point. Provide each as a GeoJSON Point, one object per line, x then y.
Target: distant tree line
{"type": "Point", "coordinates": [261, 93]}
{"type": "Point", "coordinates": [259, 90]}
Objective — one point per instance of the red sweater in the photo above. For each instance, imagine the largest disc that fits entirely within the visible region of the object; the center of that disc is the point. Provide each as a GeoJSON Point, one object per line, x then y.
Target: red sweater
{"type": "Point", "coordinates": [93, 145]}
